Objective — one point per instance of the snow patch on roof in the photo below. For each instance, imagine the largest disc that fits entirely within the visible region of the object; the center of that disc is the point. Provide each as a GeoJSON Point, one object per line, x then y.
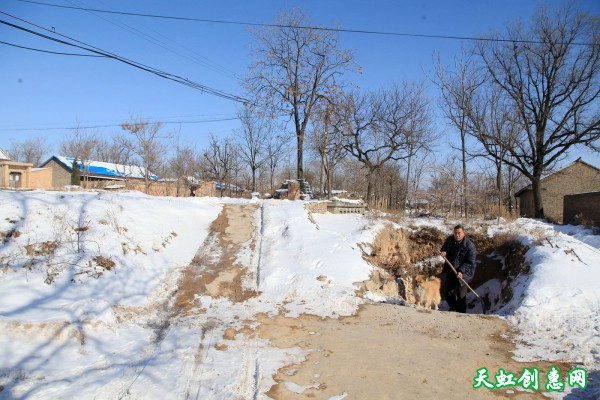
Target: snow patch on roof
{"type": "Point", "coordinates": [4, 155]}
{"type": "Point", "coordinates": [107, 169]}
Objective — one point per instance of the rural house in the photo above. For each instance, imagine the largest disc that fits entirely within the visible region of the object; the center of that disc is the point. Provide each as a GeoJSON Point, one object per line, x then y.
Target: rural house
{"type": "Point", "coordinates": [20, 175]}
{"type": "Point", "coordinates": [110, 176]}
{"type": "Point", "coordinates": [577, 177]}
{"type": "Point", "coordinates": [96, 174]}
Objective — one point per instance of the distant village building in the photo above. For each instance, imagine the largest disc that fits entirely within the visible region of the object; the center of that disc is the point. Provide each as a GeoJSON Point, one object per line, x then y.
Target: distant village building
{"type": "Point", "coordinates": [577, 177]}
{"type": "Point", "coordinates": [94, 174]}
{"type": "Point", "coordinates": [57, 171]}
{"type": "Point", "coordinates": [217, 189]}
{"type": "Point", "coordinates": [19, 175]}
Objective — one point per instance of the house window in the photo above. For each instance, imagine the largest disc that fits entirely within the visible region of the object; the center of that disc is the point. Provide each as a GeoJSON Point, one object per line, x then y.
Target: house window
{"type": "Point", "coordinates": [14, 180]}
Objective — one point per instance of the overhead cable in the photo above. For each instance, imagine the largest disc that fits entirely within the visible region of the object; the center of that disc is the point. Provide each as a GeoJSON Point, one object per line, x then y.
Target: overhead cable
{"type": "Point", "coordinates": [116, 125]}
{"type": "Point", "coordinates": [195, 57]}
{"type": "Point", "coordinates": [48, 51]}
{"type": "Point", "coordinates": [319, 28]}
{"type": "Point", "coordinates": [96, 50]}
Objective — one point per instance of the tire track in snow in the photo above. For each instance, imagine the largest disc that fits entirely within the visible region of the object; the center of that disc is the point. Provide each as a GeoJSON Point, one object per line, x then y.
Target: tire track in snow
{"type": "Point", "coordinates": [232, 239]}
{"type": "Point", "coordinates": [212, 273]}
{"type": "Point", "coordinates": [177, 304]}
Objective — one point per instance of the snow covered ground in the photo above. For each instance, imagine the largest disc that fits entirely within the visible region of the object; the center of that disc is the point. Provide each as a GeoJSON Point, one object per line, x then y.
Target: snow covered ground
{"type": "Point", "coordinates": [86, 280]}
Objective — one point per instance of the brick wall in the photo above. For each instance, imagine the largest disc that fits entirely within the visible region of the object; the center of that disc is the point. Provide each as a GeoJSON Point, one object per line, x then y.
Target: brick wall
{"type": "Point", "coordinates": [60, 176]}
{"type": "Point", "coordinates": [582, 208]}
{"type": "Point", "coordinates": [41, 178]}
{"type": "Point", "coordinates": [577, 178]}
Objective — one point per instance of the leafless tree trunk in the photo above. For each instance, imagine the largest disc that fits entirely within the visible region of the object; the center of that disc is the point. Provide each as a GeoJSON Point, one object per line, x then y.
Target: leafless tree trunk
{"type": "Point", "coordinates": [420, 165]}
{"type": "Point", "coordinates": [146, 141]}
{"type": "Point", "coordinates": [81, 145]}
{"type": "Point", "coordinates": [183, 167]}
{"type": "Point", "coordinates": [457, 88]}
{"type": "Point", "coordinates": [275, 154]}
{"type": "Point", "coordinates": [379, 127]}
{"type": "Point", "coordinates": [446, 183]}
{"type": "Point", "coordinates": [252, 140]}
{"type": "Point", "coordinates": [550, 74]}
{"type": "Point", "coordinates": [296, 68]}
{"type": "Point", "coordinates": [327, 143]}
{"type": "Point", "coordinates": [218, 161]}
{"type": "Point", "coordinates": [490, 121]}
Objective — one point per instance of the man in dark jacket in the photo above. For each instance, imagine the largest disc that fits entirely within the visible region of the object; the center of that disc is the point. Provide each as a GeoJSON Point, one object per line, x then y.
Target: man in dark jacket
{"type": "Point", "coordinates": [460, 251]}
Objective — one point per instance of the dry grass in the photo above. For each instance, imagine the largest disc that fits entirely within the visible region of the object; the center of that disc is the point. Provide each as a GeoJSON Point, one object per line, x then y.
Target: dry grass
{"type": "Point", "coordinates": [104, 262]}
{"type": "Point", "coordinates": [42, 249]}
{"type": "Point", "coordinates": [6, 236]}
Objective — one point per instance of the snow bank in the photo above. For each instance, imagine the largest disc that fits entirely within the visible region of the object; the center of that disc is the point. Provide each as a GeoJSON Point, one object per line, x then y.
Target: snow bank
{"type": "Point", "coordinates": [145, 237]}
{"type": "Point", "coordinates": [85, 276]}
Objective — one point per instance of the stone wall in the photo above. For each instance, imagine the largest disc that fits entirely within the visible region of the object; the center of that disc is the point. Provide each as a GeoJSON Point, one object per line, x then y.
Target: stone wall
{"type": "Point", "coordinates": [293, 192]}
{"type": "Point", "coordinates": [335, 207]}
{"type": "Point", "coordinates": [319, 207]}
{"type": "Point", "coordinates": [341, 207]}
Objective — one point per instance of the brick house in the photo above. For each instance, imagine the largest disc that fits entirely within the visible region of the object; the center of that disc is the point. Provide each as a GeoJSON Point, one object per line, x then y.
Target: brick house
{"type": "Point", "coordinates": [577, 177]}
{"type": "Point", "coordinates": [109, 176]}
{"type": "Point", "coordinates": [20, 175]}
{"type": "Point", "coordinates": [96, 175]}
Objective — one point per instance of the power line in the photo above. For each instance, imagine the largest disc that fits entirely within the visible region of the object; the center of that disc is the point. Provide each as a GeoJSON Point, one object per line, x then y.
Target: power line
{"type": "Point", "coordinates": [201, 60]}
{"type": "Point", "coordinates": [320, 28]}
{"type": "Point", "coordinates": [115, 125]}
{"type": "Point", "coordinates": [50, 52]}
{"type": "Point", "coordinates": [96, 50]}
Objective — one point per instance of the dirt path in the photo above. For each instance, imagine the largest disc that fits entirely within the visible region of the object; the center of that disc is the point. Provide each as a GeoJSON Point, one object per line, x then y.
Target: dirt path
{"type": "Point", "coordinates": [384, 352]}
{"type": "Point", "coordinates": [394, 352]}
{"type": "Point", "coordinates": [220, 276]}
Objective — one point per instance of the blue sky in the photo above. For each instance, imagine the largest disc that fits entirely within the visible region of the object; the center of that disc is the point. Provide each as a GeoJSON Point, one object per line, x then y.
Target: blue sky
{"type": "Point", "coordinates": [44, 93]}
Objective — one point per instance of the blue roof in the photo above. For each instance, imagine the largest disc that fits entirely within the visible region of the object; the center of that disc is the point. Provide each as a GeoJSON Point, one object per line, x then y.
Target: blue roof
{"type": "Point", "coordinates": [107, 169]}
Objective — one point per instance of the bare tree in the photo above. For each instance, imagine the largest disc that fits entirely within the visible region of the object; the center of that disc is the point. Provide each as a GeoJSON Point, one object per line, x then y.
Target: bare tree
{"type": "Point", "coordinates": [378, 127]}
{"type": "Point", "coordinates": [490, 120]}
{"type": "Point", "coordinates": [389, 187]}
{"type": "Point", "coordinates": [81, 146]}
{"type": "Point", "coordinates": [446, 183]}
{"type": "Point", "coordinates": [296, 68]}
{"type": "Point", "coordinates": [362, 136]}
{"type": "Point", "coordinates": [327, 143]}
{"type": "Point", "coordinates": [252, 140]}
{"type": "Point", "coordinates": [29, 151]}
{"type": "Point", "coordinates": [146, 141]}
{"type": "Point", "coordinates": [183, 166]}
{"type": "Point", "coordinates": [550, 73]}
{"type": "Point", "coordinates": [218, 161]}
{"type": "Point", "coordinates": [420, 136]}
{"type": "Point", "coordinates": [112, 151]}
{"type": "Point", "coordinates": [276, 152]}
{"type": "Point", "coordinates": [457, 87]}
{"type": "Point", "coordinates": [420, 165]}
